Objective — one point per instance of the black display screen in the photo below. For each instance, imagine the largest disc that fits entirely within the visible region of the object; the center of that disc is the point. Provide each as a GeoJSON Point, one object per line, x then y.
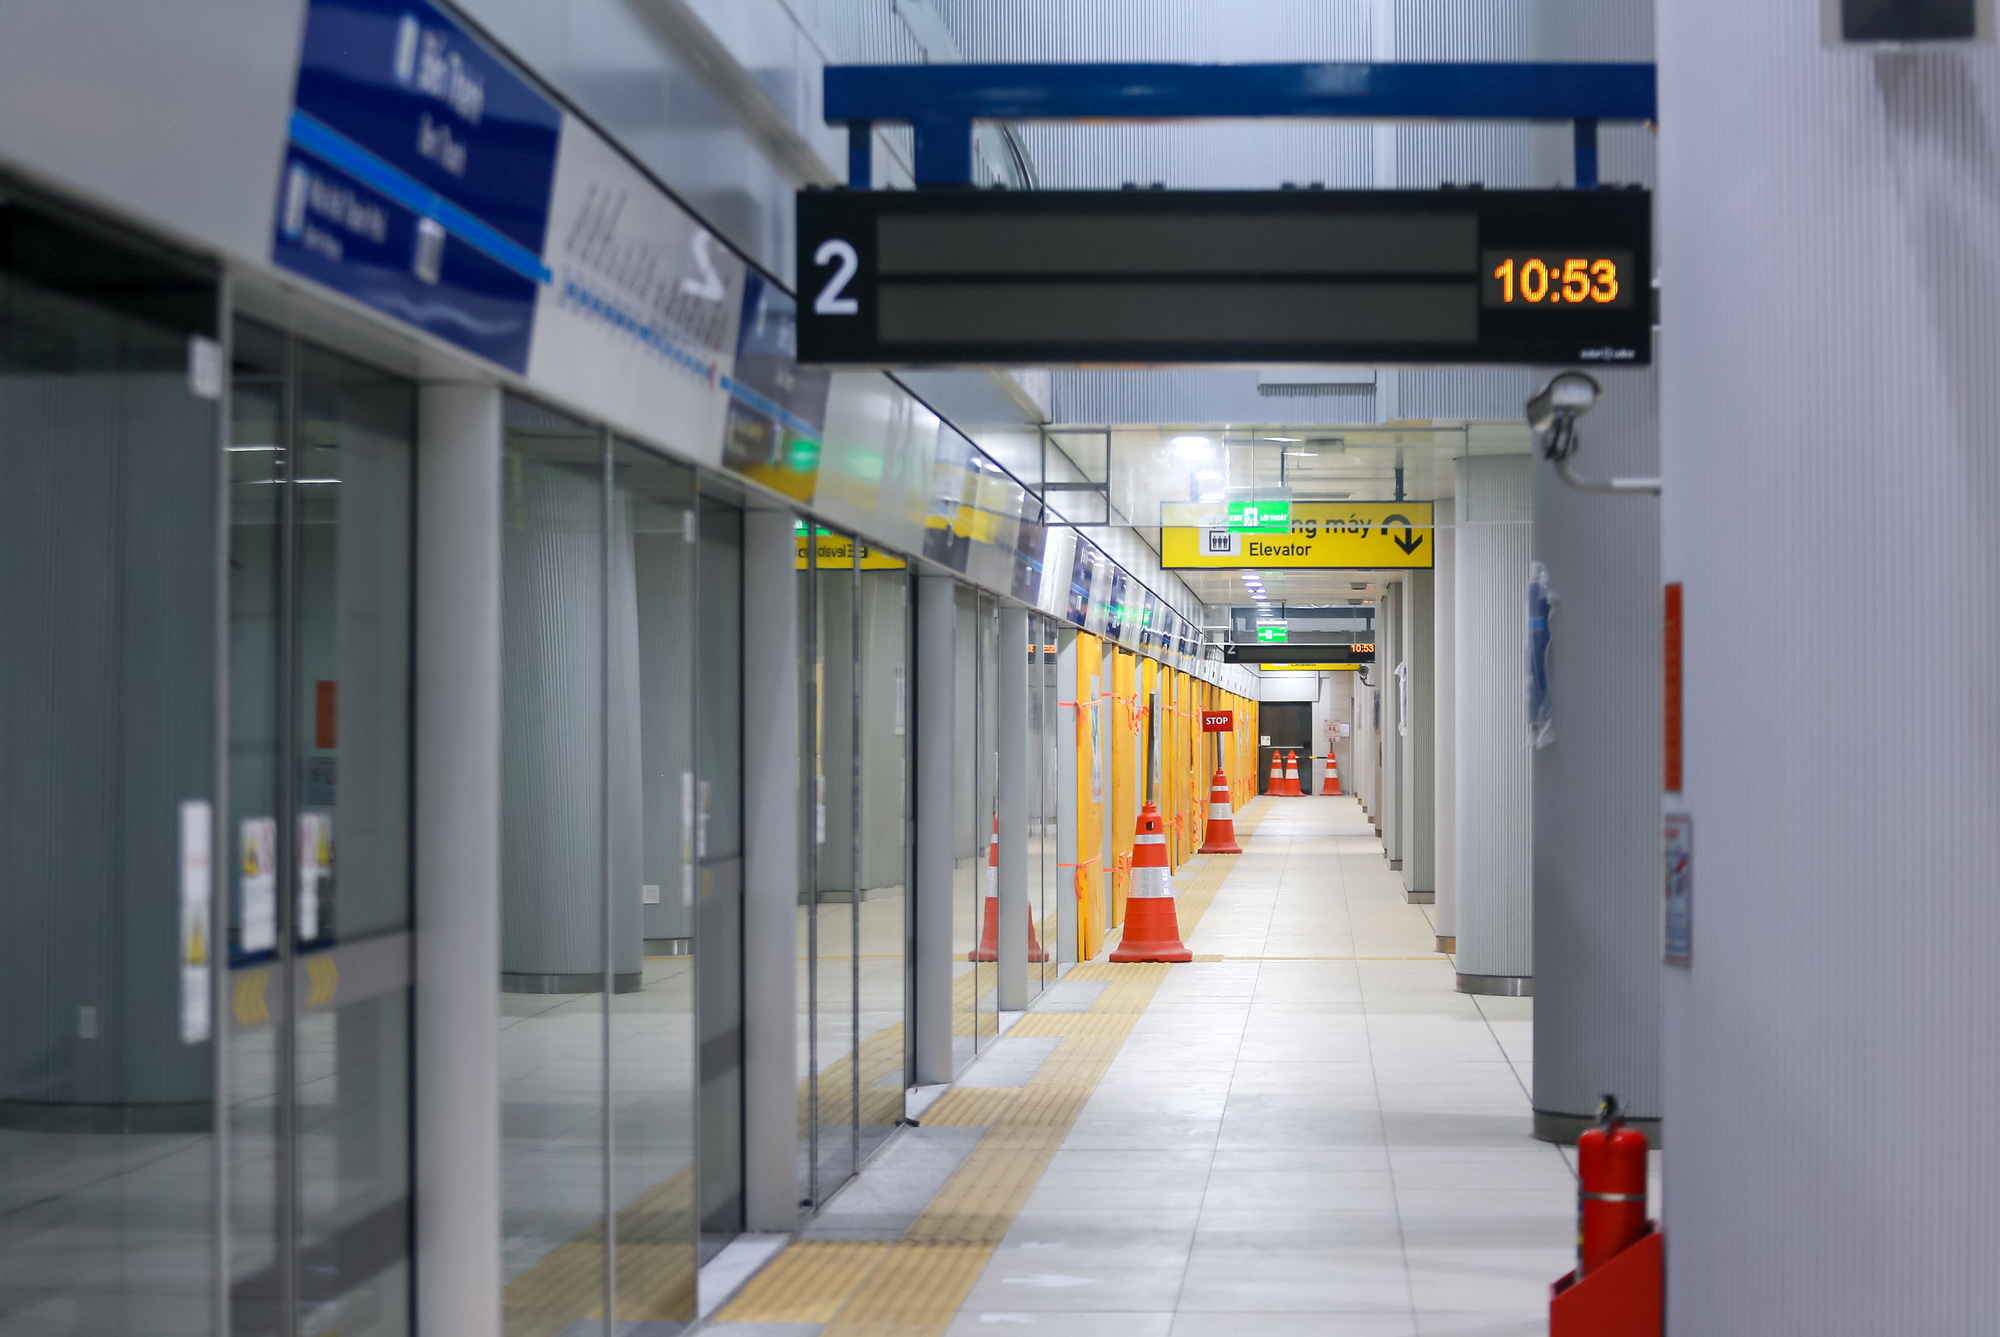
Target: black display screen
{"type": "Point", "coordinates": [940, 278]}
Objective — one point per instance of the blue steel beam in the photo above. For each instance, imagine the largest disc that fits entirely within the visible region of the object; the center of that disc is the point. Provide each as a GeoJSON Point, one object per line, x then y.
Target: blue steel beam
{"type": "Point", "coordinates": [942, 101]}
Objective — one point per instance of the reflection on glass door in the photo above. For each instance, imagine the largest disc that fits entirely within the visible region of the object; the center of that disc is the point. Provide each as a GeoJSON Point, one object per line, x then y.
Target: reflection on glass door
{"type": "Point", "coordinates": [853, 917]}
{"type": "Point", "coordinates": [833, 925]}
{"type": "Point", "coordinates": [108, 521]}
{"type": "Point", "coordinates": [621, 879]}
{"type": "Point", "coordinates": [1043, 862]}
{"type": "Point", "coordinates": [318, 832]}
{"type": "Point", "coordinates": [883, 852]}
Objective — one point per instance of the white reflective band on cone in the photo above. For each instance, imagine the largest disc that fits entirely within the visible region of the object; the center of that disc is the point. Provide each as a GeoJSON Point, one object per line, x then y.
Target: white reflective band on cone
{"type": "Point", "coordinates": [1218, 812]}
{"type": "Point", "coordinates": [1155, 838]}
{"type": "Point", "coordinates": [1149, 884]}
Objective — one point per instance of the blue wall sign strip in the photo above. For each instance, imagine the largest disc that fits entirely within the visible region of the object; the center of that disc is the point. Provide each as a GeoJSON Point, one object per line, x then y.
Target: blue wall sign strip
{"type": "Point", "coordinates": [338, 150]}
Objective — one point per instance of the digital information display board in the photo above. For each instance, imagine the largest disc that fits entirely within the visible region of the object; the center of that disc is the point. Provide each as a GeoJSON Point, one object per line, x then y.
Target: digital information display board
{"type": "Point", "coordinates": [961, 277]}
{"type": "Point", "coordinates": [1236, 652]}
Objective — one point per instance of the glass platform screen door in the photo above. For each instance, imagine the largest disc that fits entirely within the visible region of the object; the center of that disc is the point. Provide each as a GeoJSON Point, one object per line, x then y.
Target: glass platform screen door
{"type": "Point", "coordinates": [316, 1014]}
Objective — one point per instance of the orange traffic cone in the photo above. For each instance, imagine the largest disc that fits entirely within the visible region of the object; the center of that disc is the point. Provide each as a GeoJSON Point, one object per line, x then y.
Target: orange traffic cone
{"type": "Point", "coordinates": [1152, 932]}
{"type": "Point", "coordinates": [1329, 785]}
{"type": "Point", "coordinates": [1292, 789]}
{"type": "Point", "coordinates": [989, 932]}
{"type": "Point", "coordinates": [1277, 788]}
{"type": "Point", "coordinates": [1221, 821]}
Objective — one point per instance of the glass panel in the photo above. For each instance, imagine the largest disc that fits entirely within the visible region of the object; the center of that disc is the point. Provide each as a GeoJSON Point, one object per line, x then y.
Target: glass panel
{"type": "Point", "coordinates": [350, 625]}
{"type": "Point", "coordinates": [811, 815]}
{"type": "Point", "coordinates": [986, 801]}
{"type": "Point", "coordinates": [552, 870]}
{"type": "Point", "coordinates": [968, 840]}
{"type": "Point", "coordinates": [259, 453]}
{"type": "Point", "coordinates": [883, 840]}
{"type": "Point", "coordinates": [836, 611]}
{"type": "Point", "coordinates": [718, 735]}
{"type": "Point", "coordinates": [107, 725]}
{"type": "Point", "coordinates": [654, 846]}
{"type": "Point", "coordinates": [1042, 860]}
{"type": "Point", "coordinates": [320, 612]}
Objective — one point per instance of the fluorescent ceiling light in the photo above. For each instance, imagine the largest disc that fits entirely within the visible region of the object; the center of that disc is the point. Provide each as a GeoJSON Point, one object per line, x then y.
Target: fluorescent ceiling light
{"type": "Point", "coordinates": [1284, 438]}
{"type": "Point", "coordinates": [1211, 496]}
{"type": "Point", "coordinates": [1194, 448]}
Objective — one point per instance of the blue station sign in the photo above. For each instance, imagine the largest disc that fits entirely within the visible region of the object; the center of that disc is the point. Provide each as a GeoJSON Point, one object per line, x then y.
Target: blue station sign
{"type": "Point", "coordinates": [417, 174]}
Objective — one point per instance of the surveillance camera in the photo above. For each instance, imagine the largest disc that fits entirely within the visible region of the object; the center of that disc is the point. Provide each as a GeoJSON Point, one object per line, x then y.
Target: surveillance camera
{"type": "Point", "coordinates": [1552, 416]}
{"type": "Point", "coordinates": [1562, 401]}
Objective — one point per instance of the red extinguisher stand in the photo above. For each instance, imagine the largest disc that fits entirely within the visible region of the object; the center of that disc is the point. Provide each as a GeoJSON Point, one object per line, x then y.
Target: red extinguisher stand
{"type": "Point", "coordinates": [1619, 1286]}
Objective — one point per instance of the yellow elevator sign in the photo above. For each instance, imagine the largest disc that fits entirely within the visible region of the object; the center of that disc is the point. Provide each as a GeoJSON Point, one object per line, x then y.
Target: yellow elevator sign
{"type": "Point", "coordinates": [1365, 535]}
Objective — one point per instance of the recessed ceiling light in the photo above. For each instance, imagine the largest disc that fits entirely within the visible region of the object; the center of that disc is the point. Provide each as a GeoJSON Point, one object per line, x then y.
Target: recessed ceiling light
{"type": "Point", "coordinates": [1194, 448]}
{"type": "Point", "coordinates": [1283, 438]}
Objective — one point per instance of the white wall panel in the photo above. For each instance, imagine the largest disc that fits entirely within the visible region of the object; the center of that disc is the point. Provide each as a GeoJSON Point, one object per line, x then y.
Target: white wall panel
{"type": "Point", "coordinates": [174, 114]}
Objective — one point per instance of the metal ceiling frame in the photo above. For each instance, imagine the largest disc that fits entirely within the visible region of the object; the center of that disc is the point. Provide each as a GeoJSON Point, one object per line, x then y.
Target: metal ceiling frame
{"type": "Point", "coordinates": [941, 103]}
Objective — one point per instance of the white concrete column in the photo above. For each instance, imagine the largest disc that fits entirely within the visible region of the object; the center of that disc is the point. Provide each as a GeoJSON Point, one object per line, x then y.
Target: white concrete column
{"type": "Point", "coordinates": [1831, 329]}
{"type": "Point", "coordinates": [457, 1068]}
{"type": "Point", "coordinates": [1596, 784]}
{"type": "Point", "coordinates": [1389, 655]}
{"type": "Point", "coordinates": [1444, 696]}
{"type": "Point", "coordinates": [771, 875]}
{"type": "Point", "coordinates": [937, 807]}
{"type": "Point", "coordinates": [1495, 911]}
{"type": "Point", "coordinates": [1010, 679]}
{"type": "Point", "coordinates": [1419, 761]}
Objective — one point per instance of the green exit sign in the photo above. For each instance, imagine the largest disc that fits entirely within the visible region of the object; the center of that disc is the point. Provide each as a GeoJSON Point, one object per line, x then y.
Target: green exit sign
{"type": "Point", "coordinates": [1279, 635]}
{"type": "Point", "coordinates": [1260, 517]}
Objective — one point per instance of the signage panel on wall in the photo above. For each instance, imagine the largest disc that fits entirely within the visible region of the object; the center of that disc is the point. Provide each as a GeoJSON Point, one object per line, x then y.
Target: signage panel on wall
{"type": "Point", "coordinates": [932, 278]}
{"type": "Point", "coordinates": [417, 175]}
{"type": "Point", "coordinates": [640, 315]}
{"type": "Point", "coordinates": [1361, 535]}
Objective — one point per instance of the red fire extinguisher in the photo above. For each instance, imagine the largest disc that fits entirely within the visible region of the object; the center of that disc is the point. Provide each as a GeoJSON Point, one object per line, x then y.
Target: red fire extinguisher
{"type": "Point", "coordinates": [1611, 1188]}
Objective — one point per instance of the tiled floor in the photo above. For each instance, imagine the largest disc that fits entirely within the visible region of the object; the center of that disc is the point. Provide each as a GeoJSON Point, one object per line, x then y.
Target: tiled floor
{"type": "Point", "coordinates": [1309, 1131]}
{"type": "Point", "coordinates": [1330, 1145]}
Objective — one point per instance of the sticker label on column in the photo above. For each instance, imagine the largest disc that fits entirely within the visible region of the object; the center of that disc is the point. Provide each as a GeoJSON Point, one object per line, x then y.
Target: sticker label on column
{"type": "Point", "coordinates": [258, 865]}
{"type": "Point", "coordinates": [195, 883]}
{"type": "Point", "coordinates": [1678, 947]}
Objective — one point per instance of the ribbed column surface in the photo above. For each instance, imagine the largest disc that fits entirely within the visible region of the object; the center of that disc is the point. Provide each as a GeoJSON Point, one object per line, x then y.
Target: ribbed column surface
{"type": "Point", "coordinates": [1495, 910]}
{"type": "Point", "coordinates": [551, 876]}
{"type": "Point", "coordinates": [1830, 413]}
{"type": "Point", "coordinates": [1445, 694]}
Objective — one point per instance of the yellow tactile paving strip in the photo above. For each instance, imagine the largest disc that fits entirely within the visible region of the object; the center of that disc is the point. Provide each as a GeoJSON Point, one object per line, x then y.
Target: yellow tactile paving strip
{"type": "Point", "coordinates": [915, 1286]}
{"type": "Point", "coordinates": [656, 1268]}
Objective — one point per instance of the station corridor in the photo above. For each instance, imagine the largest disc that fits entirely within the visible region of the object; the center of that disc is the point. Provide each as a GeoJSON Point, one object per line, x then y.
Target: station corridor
{"type": "Point", "coordinates": [1305, 1130]}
